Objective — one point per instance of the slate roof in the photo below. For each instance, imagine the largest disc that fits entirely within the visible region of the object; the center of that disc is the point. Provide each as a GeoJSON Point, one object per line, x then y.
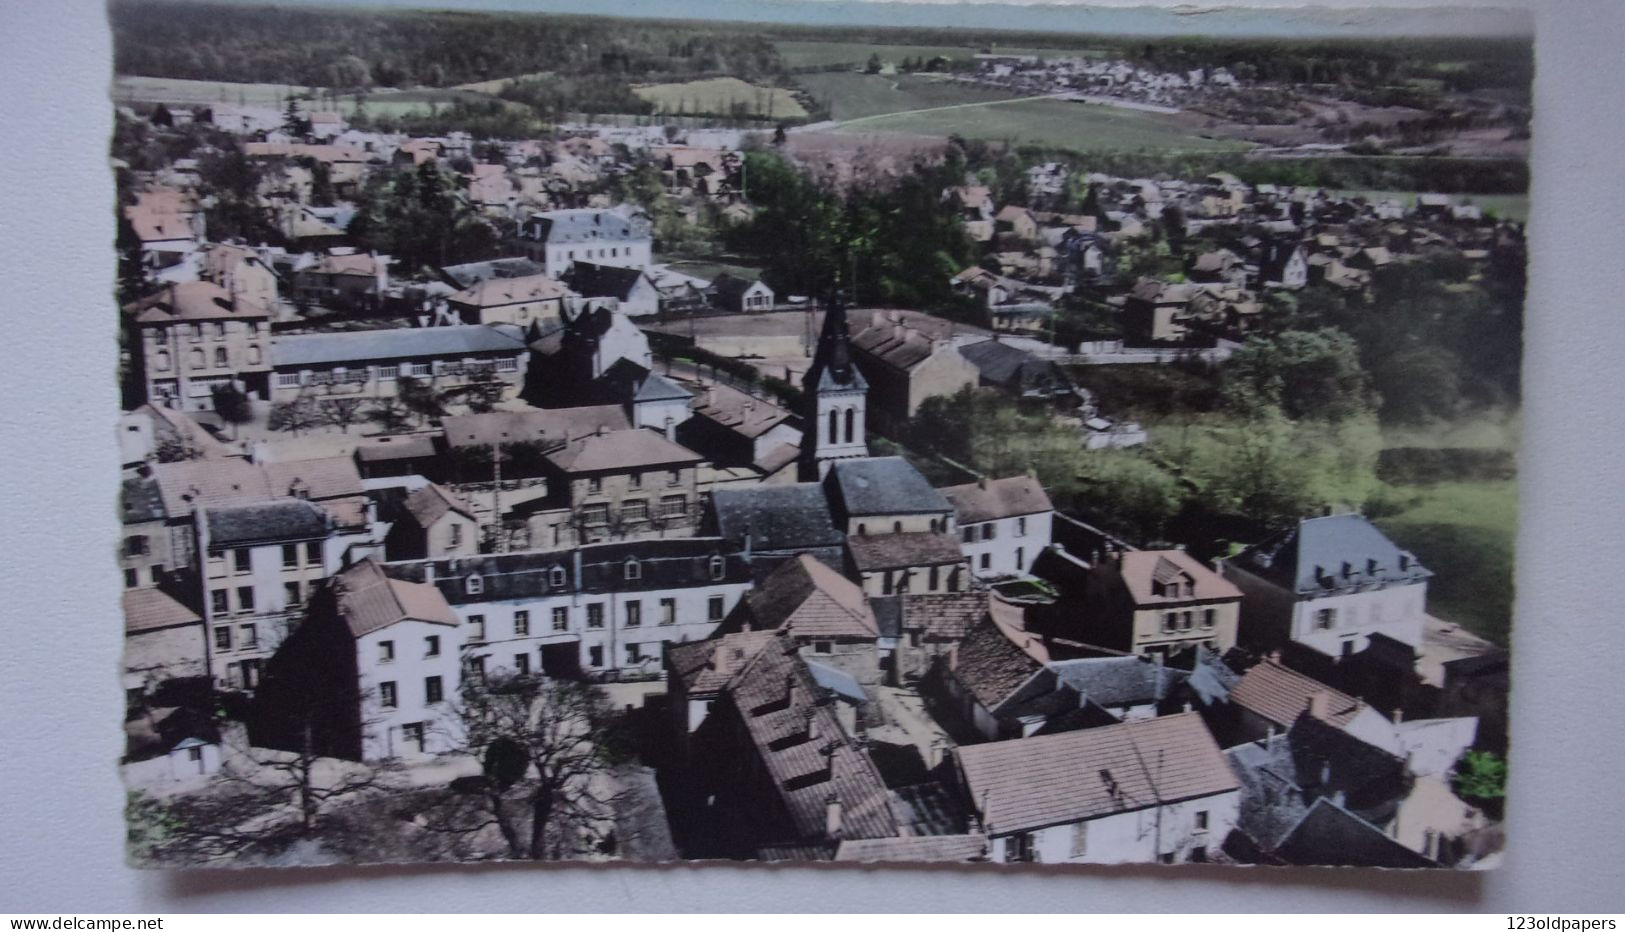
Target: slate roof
{"type": "Point", "coordinates": [1142, 570]}
{"type": "Point", "coordinates": [994, 660]}
{"type": "Point", "coordinates": [1118, 681]}
{"type": "Point", "coordinates": [656, 387]}
{"type": "Point", "coordinates": [369, 600]}
{"type": "Point", "coordinates": [584, 226]}
{"type": "Point", "coordinates": [550, 424]}
{"type": "Point", "coordinates": [315, 349]}
{"type": "Point", "coordinates": [897, 345]}
{"type": "Point", "coordinates": [898, 551]}
{"type": "Point", "coordinates": [604, 281]}
{"type": "Point", "coordinates": [778, 699]}
{"type": "Point", "coordinates": [431, 503]}
{"type": "Point", "coordinates": [915, 848]}
{"type": "Point", "coordinates": [1331, 554]}
{"type": "Point", "coordinates": [998, 498]}
{"type": "Point", "coordinates": [668, 563]}
{"type": "Point", "coordinates": [1329, 835]}
{"type": "Point", "coordinates": [1280, 694]}
{"type": "Point", "coordinates": [812, 601]}
{"type": "Point", "coordinates": [832, 367]}
{"type": "Point", "coordinates": [1030, 783]}
{"type": "Point", "coordinates": [499, 291]}
{"type": "Point", "coordinates": [620, 451]}
{"type": "Point", "coordinates": [470, 273]}
{"type": "Point", "coordinates": [1002, 364]}
{"type": "Point", "coordinates": [395, 447]}
{"type": "Point", "coordinates": [777, 517]}
{"type": "Point", "coordinates": [153, 610]}
{"type": "Point", "coordinates": [290, 519]}
{"type": "Point", "coordinates": [706, 667]}
{"type": "Point", "coordinates": [882, 485]}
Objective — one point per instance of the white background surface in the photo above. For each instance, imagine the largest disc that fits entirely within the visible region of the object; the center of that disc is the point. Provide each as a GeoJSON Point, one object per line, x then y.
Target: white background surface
{"type": "Point", "coordinates": [60, 821]}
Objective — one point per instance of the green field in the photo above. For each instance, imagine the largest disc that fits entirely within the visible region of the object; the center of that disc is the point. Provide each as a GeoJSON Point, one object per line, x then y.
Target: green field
{"type": "Point", "coordinates": [1051, 123]}
{"type": "Point", "coordinates": [720, 95]}
{"type": "Point", "coordinates": [853, 96]}
{"type": "Point", "coordinates": [1465, 533]}
{"type": "Point", "coordinates": [137, 89]}
{"type": "Point", "coordinates": [1504, 206]}
{"type": "Point", "coordinates": [825, 54]}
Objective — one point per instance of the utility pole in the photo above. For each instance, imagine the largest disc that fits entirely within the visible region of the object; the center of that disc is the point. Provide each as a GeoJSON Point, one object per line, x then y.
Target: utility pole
{"type": "Point", "coordinates": [496, 497]}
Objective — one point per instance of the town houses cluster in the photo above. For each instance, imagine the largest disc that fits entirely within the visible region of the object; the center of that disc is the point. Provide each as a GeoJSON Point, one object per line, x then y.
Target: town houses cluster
{"type": "Point", "coordinates": [370, 490]}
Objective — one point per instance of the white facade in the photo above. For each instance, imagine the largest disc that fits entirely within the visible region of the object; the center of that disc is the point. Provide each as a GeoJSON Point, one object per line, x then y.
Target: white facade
{"type": "Point", "coordinates": [1341, 624]}
{"type": "Point", "coordinates": [187, 766]}
{"type": "Point", "coordinates": [1175, 832]}
{"type": "Point", "coordinates": [1005, 546]}
{"type": "Point", "coordinates": [399, 668]}
{"type": "Point", "coordinates": [838, 428]}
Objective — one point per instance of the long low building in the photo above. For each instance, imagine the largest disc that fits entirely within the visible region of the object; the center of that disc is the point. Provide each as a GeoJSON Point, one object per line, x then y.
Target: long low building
{"type": "Point", "coordinates": [370, 363]}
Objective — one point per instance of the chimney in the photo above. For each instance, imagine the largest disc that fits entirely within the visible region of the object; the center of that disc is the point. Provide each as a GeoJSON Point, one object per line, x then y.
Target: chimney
{"type": "Point", "coordinates": [428, 571]}
{"type": "Point", "coordinates": [981, 482]}
{"type": "Point", "coordinates": [1274, 656]}
{"type": "Point", "coordinates": [1399, 716]}
{"type": "Point", "coordinates": [1316, 706]}
{"type": "Point", "coordinates": [832, 816]}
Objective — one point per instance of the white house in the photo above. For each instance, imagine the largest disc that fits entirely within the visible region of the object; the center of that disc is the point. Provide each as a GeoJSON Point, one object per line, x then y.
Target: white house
{"type": "Point", "coordinates": [559, 238]}
{"type": "Point", "coordinates": [1153, 790]}
{"type": "Point", "coordinates": [1330, 584]}
{"type": "Point", "coordinates": [1003, 524]}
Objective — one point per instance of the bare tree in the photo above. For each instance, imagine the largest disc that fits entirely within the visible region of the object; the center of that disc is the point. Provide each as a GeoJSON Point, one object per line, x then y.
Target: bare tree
{"type": "Point", "coordinates": [546, 748]}
{"type": "Point", "coordinates": [295, 416]}
{"type": "Point", "coordinates": [389, 414]}
{"type": "Point", "coordinates": [342, 412]}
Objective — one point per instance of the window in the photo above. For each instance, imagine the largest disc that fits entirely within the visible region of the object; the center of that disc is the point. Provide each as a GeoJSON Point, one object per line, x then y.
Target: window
{"type": "Point", "coordinates": [432, 690]}
{"type": "Point", "coordinates": [254, 357]}
{"type": "Point", "coordinates": [1325, 618]}
{"type": "Point", "coordinates": [220, 601]}
{"type": "Point", "coordinates": [674, 477]}
{"type": "Point", "coordinates": [634, 614]}
{"type": "Point", "coordinates": [474, 585]}
{"type": "Point", "coordinates": [967, 535]}
{"type": "Point", "coordinates": [313, 551]}
{"type": "Point", "coordinates": [1208, 617]}
{"type": "Point", "coordinates": [897, 527]}
{"type": "Point", "coordinates": [555, 576]}
{"type": "Point", "coordinates": [595, 655]}
{"type": "Point", "coordinates": [673, 506]}
{"type": "Point", "coordinates": [885, 583]}
{"type": "Point", "coordinates": [388, 373]}
{"type": "Point", "coordinates": [634, 653]}
{"type": "Point", "coordinates": [636, 509]}
{"type": "Point", "coordinates": [431, 646]}
{"type": "Point", "coordinates": [456, 535]}
{"type": "Point", "coordinates": [714, 609]}
{"type": "Point", "coordinates": [219, 330]}
{"type": "Point", "coordinates": [595, 615]}
{"type": "Point", "coordinates": [196, 358]}
{"type": "Point", "coordinates": [521, 624]}
{"type": "Point", "coordinates": [220, 356]}
{"type": "Point", "coordinates": [1080, 839]}
{"type": "Point", "coordinates": [986, 561]}
{"type": "Point", "coordinates": [240, 561]}
{"type": "Point", "coordinates": [987, 531]}
{"type": "Point", "coordinates": [222, 639]}
{"type": "Point", "coordinates": [595, 514]}
{"type": "Point", "coordinates": [936, 579]}
{"type": "Point", "coordinates": [561, 618]}
{"type": "Point", "coordinates": [834, 426]}
{"type": "Point", "coordinates": [412, 735]}
{"type": "Point", "coordinates": [245, 598]}
{"type": "Point", "coordinates": [719, 567]}
{"type": "Point", "coordinates": [1019, 848]}
{"type": "Point", "coordinates": [1021, 558]}
{"type": "Point", "coordinates": [287, 380]}
{"type": "Point", "coordinates": [196, 332]}
{"type": "Point", "coordinates": [849, 421]}
{"type": "Point", "coordinates": [634, 480]}
{"type": "Point", "coordinates": [386, 651]}
{"type": "Point", "coordinates": [1185, 621]}
{"type": "Point", "coordinates": [250, 636]}
{"type": "Point", "coordinates": [135, 545]}
{"type": "Point", "coordinates": [1201, 820]}
{"type": "Point", "coordinates": [521, 664]}
{"type": "Point", "coordinates": [1021, 527]}
{"type": "Point", "coordinates": [1170, 621]}
{"type": "Point", "coordinates": [290, 556]}
{"type": "Point", "coordinates": [595, 485]}
{"type": "Point", "coordinates": [633, 569]}
{"type": "Point", "coordinates": [476, 626]}
{"type": "Point", "coordinates": [160, 361]}
{"type": "Point", "coordinates": [668, 611]}
{"type": "Point", "coordinates": [508, 364]}
{"type": "Point", "coordinates": [293, 594]}
{"type": "Point", "coordinates": [476, 667]}
{"type": "Point", "coordinates": [131, 580]}
{"type": "Point", "coordinates": [823, 647]}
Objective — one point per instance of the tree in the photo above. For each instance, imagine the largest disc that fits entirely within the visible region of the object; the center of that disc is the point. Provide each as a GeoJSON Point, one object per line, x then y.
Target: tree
{"type": "Point", "coordinates": [390, 415]}
{"type": "Point", "coordinates": [232, 405]}
{"type": "Point", "coordinates": [294, 416]}
{"type": "Point", "coordinates": [873, 66]}
{"type": "Point", "coordinates": [342, 412]}
{"type": "Point", "coordinates": [419, 398]}
{"type": "Point", "coordinates": [1481, 778]}
{"type": "Point", "coordinates": [1306, 374]}
{"type": "Point", "coordinates": [546, 749]}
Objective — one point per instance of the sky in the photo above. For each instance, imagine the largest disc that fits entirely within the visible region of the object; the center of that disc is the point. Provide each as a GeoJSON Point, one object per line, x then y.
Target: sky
{"type": "Point", "coordinates": [1476, 20]}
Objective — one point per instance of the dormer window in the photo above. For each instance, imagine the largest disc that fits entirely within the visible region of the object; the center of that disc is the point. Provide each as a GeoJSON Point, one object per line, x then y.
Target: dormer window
{"type": "Point", "coordinates": [474, 585]}
{"type": "Point", "coordinates": [555, 577]}
{"type": "Point", "coordinates": [719, 566]}
{"type": "Point", "coordinates": [633, 569]}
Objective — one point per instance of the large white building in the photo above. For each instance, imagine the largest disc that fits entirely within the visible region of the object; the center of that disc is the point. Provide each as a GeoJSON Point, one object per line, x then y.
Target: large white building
{"type": "Point", "coordinates": [1003, 524]}
{"type": "Point", "coordinates": [560, 238]}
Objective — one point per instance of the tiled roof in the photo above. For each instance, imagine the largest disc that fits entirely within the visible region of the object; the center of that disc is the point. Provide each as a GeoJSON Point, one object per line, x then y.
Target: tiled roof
{"type": "Point", "coordinates": [430, 503]}
{"type": "Point", "coordinates": [496, 292]}
{"type": "Point", "coordinates": [1030, 783]}
{"type": "Point", "coordinates": [280, 521]}
{"type": "Point", "coordinates": [916, 848]}
{"type": "Point", "coordinates": [468, 274]}
{"type": "Point", "coordinates": [621, 450]}
{"type": "Point", "coordinates": [993, 661]}
{"type": "Point", "coordinates": [811, 600]}
{"type": "Point", "coordinates": [1117, 681]}
{"type": "Point", "coordinates": [584, 226]}
{"type": "Point", "coordinates": [740, 413]}
{"type": "Point", "coordinates": [194, 301]}
{"type": "Point", "coordinates": [882, 485]}
{"type": "Point", "coordinates": [804, 750]}
{"type": "Point", "coordinates": [152, 609]}
{"type": "Point", "coordinates": [1280, 695]}
{"type": "Point", "coordinates": [544, 425]}
{"type": "Point", "coordinates": [313, 349]}
{"type": "Point", "coordinates": [998, 498]}
{"type": "Point", "coordinates": [368, 600]}
{"type": "Point", "coordinates": [897, 345]}
{"type": "Point", "coordinates": [665, 563]}
{"type": "Point", "coordinates": [706, 667]}
{"type": "Point", "coordinates": [1141, 568]}
{"type": "Point", "coordinates": [777, 517]}
{"type": "Point", "coordinates": [1329, 554]}
{"type": "Point", "coordinates": [395, 447]}
{"type": "Point", "coordinates": [188, 484]}
{"type": "Point", "coordinates": [943, 616]}
{"type": "Point", "coordinates": [898, 551]}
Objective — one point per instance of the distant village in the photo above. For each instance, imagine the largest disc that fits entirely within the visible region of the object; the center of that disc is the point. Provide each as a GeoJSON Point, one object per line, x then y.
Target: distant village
{"type": "Point", "coordinates": [361, 499]}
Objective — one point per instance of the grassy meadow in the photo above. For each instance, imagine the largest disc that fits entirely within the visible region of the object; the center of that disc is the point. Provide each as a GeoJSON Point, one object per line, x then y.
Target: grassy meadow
{"type": "Point", "coordinates": [719, 95]}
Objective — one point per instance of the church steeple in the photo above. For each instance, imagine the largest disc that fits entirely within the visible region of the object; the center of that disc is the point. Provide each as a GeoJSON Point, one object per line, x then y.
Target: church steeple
{"type": "Point", "coordinates": [836, 399]}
